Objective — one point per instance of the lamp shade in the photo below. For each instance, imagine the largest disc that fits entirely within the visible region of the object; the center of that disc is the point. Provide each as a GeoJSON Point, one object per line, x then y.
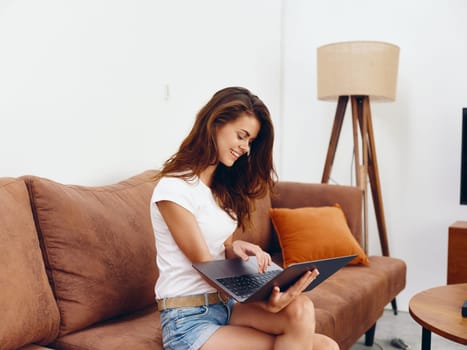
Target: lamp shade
{"type": "Point", "coordinates": [365, 68]}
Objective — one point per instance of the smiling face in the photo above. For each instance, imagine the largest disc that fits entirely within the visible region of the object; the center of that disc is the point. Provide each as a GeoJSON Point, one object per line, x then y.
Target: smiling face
{"type": "Point", "coordinates": [234, 138]}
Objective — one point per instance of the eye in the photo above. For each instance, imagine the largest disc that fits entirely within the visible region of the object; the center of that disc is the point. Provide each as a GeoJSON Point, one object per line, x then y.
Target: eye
{"type": "Point", "coordinates": [241, 136]}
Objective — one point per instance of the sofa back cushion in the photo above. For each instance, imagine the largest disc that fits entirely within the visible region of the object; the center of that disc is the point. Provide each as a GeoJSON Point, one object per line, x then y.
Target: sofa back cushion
{"type": "Point", "coordinates": [98, 247]}
{"type": "Point", "coordinates": [28, 312]}
{"type": "Point", "coordinates": [260, 231]}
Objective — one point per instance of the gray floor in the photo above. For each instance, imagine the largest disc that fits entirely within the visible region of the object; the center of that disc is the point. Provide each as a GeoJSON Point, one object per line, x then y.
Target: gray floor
{"type": "Point", "coordinates": [404, 327]}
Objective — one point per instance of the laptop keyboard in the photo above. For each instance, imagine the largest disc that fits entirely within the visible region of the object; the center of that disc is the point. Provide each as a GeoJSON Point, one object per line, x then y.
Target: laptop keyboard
{"type": "Point", "coordinates": [245, 285]}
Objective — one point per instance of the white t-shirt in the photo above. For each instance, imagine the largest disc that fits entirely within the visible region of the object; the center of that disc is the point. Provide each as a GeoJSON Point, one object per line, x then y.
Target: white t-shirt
{"type": "Point", "coordinates": [177, 277]}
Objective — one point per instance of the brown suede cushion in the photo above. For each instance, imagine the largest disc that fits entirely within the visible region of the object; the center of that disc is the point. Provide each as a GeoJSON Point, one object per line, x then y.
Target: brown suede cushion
{"type": "Point", "coordinates": [28, 312]}
{"type": "Point", "coordinates": [260, 231]}
{"type": "Point", "coordinates": [348, 303]}
{"type": "Point", "coordinates": [98, 245]}
{"type": "Point", "coordinates": [138, 331]}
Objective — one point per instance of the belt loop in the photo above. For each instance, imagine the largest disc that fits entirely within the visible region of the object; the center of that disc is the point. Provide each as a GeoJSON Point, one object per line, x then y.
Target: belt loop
{"type": "Point", "coordinates": [206, 299]}
{"type": "Point", "coordinates": [163, 303]}
{"type": "Point", "coordinates": [222, 298]}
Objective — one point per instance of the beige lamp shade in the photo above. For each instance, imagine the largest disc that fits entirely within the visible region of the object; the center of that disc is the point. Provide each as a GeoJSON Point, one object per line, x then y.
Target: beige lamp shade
{"type": "Point", "coordinates": [364, 68]}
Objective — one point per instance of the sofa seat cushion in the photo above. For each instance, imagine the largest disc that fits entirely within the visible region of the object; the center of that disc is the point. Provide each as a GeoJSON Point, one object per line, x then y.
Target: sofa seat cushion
{"type": "Point", "coordinates": [138, 331]}
{"type": "Point", "coordinates": [28, 312]}
{"type": "Point", "coordinates": [98, 247]}
{"type": "Point", "coordinates": [348, 303]}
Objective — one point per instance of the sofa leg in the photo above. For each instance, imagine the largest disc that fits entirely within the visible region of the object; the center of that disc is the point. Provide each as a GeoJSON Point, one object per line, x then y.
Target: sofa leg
{"type": "Point", "coordinates": [370, 336]}
{"type": "Point", "coordinates": [394, 306]}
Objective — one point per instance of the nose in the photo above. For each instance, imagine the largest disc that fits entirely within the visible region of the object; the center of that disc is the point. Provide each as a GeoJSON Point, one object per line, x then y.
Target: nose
{"type": "Point", "coordinates": [245, 147]}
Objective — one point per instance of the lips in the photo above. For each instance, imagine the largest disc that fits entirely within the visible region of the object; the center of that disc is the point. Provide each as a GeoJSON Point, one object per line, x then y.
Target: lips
{"type": "Point", "coordinates": [235, 154]}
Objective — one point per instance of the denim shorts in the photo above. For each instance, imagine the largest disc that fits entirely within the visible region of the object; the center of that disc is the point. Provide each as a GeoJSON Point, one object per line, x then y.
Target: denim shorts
{"type": "Point", "coordinates": [190, 327]}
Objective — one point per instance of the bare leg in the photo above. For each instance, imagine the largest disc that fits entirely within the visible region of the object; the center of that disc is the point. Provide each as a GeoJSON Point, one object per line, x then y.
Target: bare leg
{"type": "Point", "coordinates": [254, 328]}
{"type": "Point", "coordinates": [237, 337]}
{"type": "Point", "coordinates": [323, 342]}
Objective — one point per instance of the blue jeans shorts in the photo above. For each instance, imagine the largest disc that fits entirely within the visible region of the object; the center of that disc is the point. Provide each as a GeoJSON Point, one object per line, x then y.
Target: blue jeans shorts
{"type": "Point", "coordinates": [190, 327]}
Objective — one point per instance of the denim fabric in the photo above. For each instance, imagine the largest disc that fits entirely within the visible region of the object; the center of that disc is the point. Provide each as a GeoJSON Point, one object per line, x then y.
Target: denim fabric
{"type": "Point", "coordinates": [190, 327]}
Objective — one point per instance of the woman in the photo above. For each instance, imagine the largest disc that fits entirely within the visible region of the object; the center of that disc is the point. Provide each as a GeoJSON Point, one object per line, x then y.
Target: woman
{"type": "Point", "coordinates": [204, 192]}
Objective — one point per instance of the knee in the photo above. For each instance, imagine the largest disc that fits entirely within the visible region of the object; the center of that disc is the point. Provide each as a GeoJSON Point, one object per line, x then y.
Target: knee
{"type": "Point", "coordinates": [324, 342]}
{"type": "Point", "coordinates": [301, 313]}
{"type": "Point", "coordinates": [332, 345]}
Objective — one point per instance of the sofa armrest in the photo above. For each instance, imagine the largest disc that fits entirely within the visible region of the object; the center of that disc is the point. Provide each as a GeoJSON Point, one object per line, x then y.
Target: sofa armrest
{"type": "Point", "coordinates": [298, 194]}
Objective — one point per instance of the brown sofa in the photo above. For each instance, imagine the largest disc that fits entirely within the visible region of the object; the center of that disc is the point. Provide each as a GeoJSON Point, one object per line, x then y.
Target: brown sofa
{"type": "Point", "coordinates": [77, 265]}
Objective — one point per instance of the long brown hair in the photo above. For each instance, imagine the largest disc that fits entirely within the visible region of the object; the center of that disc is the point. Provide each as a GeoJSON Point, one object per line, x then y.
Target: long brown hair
{"type": "Point", "coordinates": [251, 177]}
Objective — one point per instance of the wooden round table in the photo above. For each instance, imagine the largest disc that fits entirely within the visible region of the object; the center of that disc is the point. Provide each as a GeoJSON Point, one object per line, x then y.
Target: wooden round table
{"type": "Point", "coordinates": [439, 310]}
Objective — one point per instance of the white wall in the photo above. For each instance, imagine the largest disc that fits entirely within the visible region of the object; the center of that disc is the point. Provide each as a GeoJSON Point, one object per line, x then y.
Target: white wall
{"type": "Point", "coordinates": [82, 96]}
{"type": "Point", "coordinates": [417, 136]}
{"type": "Point", "coordinates": [83, 83]}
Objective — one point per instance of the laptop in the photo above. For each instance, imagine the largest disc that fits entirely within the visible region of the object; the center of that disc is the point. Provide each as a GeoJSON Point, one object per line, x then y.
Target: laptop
{"type": "Point", "coordinates": [242, 281]}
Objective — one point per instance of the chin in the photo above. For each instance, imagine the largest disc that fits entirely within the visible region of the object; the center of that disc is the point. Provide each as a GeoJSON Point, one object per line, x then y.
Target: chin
{"type": "Point", "coordinates": [228, 164]}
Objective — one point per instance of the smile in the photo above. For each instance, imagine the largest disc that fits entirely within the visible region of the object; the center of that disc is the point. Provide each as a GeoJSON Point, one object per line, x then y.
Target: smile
{"type": "Point", "coordinates": [235, 154]}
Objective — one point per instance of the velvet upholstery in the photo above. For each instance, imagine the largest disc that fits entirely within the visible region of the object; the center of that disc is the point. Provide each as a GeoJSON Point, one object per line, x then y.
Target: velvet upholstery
{"type": "Point", "coordinates": [98, 247]}
{"type": "Point", "coordinates": [98, 258]}
{"type": "Point", "coordinates": [351, 301]}
{"type": "Point", "coordinates": [138, 331]}
{"type": "Point", "coordinates": [367, 291]}
{"type": "Point", "coordinates": [260, 231]}
{"type": "Point", "coordinates": [28, 312]}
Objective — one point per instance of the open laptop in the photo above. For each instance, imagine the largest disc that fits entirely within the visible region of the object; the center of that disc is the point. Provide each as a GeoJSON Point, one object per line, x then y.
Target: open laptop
{"type": "Point", "coordinates": [242, 281]}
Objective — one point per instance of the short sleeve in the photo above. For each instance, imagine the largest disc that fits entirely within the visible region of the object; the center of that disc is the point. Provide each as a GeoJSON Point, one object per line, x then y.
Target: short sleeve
{"type": "Point", "coordinates": [175, 190]}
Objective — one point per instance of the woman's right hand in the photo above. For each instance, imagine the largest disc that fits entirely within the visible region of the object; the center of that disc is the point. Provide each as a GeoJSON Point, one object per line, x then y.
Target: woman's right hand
{"type": "Point", "coordinates": [279, 300]}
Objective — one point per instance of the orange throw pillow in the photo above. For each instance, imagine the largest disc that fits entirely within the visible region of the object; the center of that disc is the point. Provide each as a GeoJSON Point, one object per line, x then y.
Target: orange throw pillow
{"type": "Point", "coordinates": [315, 233]}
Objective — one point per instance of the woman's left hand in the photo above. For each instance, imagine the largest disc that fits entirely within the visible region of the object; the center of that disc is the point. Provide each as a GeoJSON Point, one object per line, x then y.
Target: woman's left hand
{"type": "Point", "coordinates": [245, 249]}
{"type": "Point", "coordinates": [280, 299]}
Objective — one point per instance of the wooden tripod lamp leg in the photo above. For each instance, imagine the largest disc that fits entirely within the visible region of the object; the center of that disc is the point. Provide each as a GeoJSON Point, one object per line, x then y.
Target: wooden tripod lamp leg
{"type": "Point", "coordinates": [359, 118]}
{"type": "Point", "coordinates": [336, 131]}
{"type": "Point", "coordinates": [373, 174]}
{"type": "Point", "coordinates": [375, 184]}
{"type": "Point", "coordinates": [369, 167]}
{"type": "Point", "coordinates": [368, 141]}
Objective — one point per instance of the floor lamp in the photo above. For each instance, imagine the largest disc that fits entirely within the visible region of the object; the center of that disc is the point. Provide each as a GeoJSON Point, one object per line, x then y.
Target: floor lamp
{"type": "Point", "coordinates": [359, 70]}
